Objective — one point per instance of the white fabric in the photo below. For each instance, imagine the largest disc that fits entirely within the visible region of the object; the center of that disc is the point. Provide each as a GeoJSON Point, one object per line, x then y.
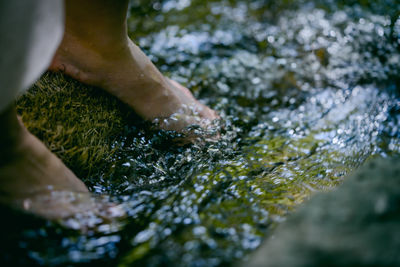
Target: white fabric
{"type": "Point", "coordinates": [30, 32]}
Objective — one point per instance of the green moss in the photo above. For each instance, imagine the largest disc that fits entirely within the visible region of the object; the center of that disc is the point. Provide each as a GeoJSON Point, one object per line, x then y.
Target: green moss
{"type": "Point", "coordinates": [209, 206]}
{"type": "Point", "coordinates": [78, 123]}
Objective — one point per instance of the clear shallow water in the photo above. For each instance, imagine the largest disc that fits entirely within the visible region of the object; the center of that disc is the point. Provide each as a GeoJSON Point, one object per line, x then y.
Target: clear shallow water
{"type": "Point", "coordinates": [307, 92]}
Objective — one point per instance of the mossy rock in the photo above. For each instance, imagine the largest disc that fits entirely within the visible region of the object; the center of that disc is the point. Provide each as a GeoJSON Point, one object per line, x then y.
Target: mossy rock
{"type": "Point", "coordinates": [79, 123]}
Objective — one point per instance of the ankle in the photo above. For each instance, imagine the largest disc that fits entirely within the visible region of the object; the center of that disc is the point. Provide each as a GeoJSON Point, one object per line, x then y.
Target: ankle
{"type": "Point", "coordinates": [103, 43]}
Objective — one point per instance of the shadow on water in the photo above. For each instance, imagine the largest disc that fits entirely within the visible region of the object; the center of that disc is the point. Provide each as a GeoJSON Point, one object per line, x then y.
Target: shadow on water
{"type": "Point", "coordinates": [307, 92]}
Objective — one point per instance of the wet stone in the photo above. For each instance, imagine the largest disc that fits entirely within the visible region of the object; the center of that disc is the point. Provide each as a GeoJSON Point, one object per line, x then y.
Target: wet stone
{"type": "Point", "coordinates": [307, 91]}
{"type": "Point", "coordinates": [355, 225]}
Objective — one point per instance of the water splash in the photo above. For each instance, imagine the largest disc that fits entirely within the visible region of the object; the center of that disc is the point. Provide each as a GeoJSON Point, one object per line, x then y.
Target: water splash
{"type": "Point", "coordinates": [307, 93]}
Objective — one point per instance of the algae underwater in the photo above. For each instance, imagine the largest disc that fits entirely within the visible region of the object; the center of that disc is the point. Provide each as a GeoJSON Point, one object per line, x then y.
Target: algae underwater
{"type": "Point", "coordinates": [307, 90]}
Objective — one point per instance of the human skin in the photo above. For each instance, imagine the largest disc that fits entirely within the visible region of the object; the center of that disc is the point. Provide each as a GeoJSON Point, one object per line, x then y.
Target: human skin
{"type": "Point", "coordinates": [28, 170]}
{"type": "Point", "coordinates": [96, 50]}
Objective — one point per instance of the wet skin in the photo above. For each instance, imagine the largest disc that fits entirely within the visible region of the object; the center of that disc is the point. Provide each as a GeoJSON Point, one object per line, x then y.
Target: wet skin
{"type": "Point", "coordinates": [95, 50]}
{"type": "Point", "coordinates": [29, 170]}
{"type": "Point", "coordinates": [105, 57]}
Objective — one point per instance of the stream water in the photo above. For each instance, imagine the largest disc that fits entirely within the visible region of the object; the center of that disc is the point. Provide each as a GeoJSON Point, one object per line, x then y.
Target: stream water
{"type": "Point", "coordinates": [307, 91]}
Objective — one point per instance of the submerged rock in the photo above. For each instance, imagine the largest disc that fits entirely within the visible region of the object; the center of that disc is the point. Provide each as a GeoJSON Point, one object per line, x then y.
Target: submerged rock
{"type": "Point", "coordinates": [356, 225]}
{"type": "Point", "coordinates": [307, 90]}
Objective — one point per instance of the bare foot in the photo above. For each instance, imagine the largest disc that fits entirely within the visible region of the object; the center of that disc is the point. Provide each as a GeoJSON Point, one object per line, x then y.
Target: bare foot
{"type": "Point", "coordinates": [122, 69]}
{"type": "Point", "coordinates": [35, 181]}
{"type": "Point", "coordinates": [29, 172]}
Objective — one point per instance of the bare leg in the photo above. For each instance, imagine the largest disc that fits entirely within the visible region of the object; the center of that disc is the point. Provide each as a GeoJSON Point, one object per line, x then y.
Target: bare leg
{"type": "Point", "coordinates": [29, 171]}
{"type": "Point", "coordinates": [97, 50]}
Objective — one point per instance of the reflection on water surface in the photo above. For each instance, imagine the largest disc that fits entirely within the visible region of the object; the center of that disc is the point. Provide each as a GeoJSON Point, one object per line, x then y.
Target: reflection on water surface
{"type": "Point", "coordinates": [307, 92]}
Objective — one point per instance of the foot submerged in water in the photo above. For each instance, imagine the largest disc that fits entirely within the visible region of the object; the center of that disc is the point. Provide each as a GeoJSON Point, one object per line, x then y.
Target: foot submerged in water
{"type": "Point", "coordinates": [35, 181]}
{"type": "Point", "coordinates": [123, 70]}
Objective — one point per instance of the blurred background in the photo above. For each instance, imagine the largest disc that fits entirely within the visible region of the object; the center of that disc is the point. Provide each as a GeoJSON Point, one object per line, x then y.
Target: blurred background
{"type": "Point", "coordinates": [307, 91]}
